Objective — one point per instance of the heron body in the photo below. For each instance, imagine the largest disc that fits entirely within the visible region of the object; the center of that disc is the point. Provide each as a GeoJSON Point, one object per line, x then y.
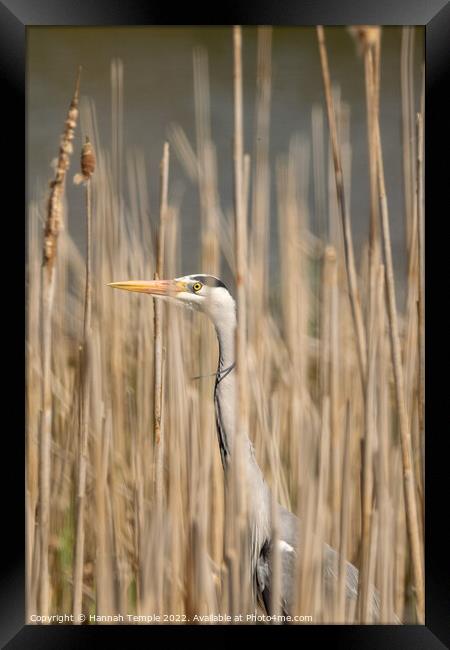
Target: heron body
{"type": "Point", "coordinates": [209, 295]}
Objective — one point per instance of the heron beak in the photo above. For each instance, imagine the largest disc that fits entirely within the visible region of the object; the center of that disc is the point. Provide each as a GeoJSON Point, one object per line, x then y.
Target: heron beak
{"type": "Point", "coordinates": [153, 287]}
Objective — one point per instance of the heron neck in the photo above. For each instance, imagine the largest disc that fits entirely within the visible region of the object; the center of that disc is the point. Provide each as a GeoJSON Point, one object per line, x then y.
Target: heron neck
{"type": "Point", "coordinates": [225, 390]}
{"type": "Point", "coordinates": [258, 495]}
{"type": "Point", "coordinates": [225, 386]}
{"type": "Point", "coordinates": [226, 337]}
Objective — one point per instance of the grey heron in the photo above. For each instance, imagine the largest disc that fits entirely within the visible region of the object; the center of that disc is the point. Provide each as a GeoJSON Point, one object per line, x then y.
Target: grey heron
{"type": "Point", "coordinates": [208, 294]}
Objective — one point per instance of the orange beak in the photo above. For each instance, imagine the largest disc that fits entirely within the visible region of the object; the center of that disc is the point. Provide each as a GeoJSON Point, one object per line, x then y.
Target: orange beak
{"type": "Point", "coordinates": [153, 287]}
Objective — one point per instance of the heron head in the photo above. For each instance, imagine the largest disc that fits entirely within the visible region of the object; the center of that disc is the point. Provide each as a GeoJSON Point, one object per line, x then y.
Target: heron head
{"type": "Point", "coordinates": [201, 292]}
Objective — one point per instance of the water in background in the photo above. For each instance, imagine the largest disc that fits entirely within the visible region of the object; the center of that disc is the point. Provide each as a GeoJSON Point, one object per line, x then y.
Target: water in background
{"type": "Point", "coordinates": [158, 91]}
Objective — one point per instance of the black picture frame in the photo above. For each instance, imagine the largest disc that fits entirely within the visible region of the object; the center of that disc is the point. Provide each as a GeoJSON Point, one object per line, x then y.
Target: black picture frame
{"type": "Point", "coordinates": [15, 17]}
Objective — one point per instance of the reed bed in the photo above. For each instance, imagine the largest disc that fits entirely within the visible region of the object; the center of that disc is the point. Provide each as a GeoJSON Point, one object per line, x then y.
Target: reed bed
{"type": "Point", "coordinates": [127, 512]}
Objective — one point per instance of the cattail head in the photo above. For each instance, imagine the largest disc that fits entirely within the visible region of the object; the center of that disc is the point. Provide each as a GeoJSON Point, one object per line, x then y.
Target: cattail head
{"type": "Point", "coordinates": [365, 36]}
{"type": "Point", "coordinates": [53, 220]}
{"type": "Point", "coordinates": [87, 163]}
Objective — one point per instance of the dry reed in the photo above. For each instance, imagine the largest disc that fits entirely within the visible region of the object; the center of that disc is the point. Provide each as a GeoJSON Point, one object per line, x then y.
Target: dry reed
{"type": "Point", "coordinates": [412, 514]}
{"type": "Point", "coordinates": [87, 169]}
{"type": "Point", "coordinates": [346, 226]}
{"type": "Point", "coordinates": [53, 226]}
{"type": "Point", "coordinates": [158, 309]}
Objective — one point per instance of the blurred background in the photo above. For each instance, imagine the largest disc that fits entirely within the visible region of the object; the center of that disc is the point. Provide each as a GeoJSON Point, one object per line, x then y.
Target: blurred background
{"type": "Point", "coordinates": [158, 92]}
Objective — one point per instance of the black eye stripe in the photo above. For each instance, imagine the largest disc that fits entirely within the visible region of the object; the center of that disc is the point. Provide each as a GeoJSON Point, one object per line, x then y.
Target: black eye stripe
{"type": "Point", "coordinates": [209, 280]}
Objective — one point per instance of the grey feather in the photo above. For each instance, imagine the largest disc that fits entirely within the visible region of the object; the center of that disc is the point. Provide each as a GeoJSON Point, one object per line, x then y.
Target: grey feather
{"type": "Point", "coordinates": [290, 533]}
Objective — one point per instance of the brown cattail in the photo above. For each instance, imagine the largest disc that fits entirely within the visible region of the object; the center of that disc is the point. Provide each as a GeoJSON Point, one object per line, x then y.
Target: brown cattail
{"type": "Point", "coordinates": [365, 36]}
{"type": "Point", "coordinates": [87, 163]}
{"type": "Point", "coordinates": [87, 169]}
{"type": "Point", "coordinates": [54, 205]}
{"type": "Point", "coordinates": [53, 224]}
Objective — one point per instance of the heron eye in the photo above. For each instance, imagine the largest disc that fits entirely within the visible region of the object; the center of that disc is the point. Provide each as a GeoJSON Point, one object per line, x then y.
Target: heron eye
{"type": "Point", "coordinates": [197, 286]}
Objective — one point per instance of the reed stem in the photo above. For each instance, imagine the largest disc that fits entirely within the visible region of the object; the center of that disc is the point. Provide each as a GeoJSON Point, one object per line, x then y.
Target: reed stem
{"type": "Point", "coordinates": [346, 226]}
{"type": "Point", "coordinates": [85, 393]}
{"type": "Point", "coordinates": [404, 425]}
{"type": "Point", "coordinates": [158, 327]}
{"type": "Point", "coordinates": [52, 229]}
